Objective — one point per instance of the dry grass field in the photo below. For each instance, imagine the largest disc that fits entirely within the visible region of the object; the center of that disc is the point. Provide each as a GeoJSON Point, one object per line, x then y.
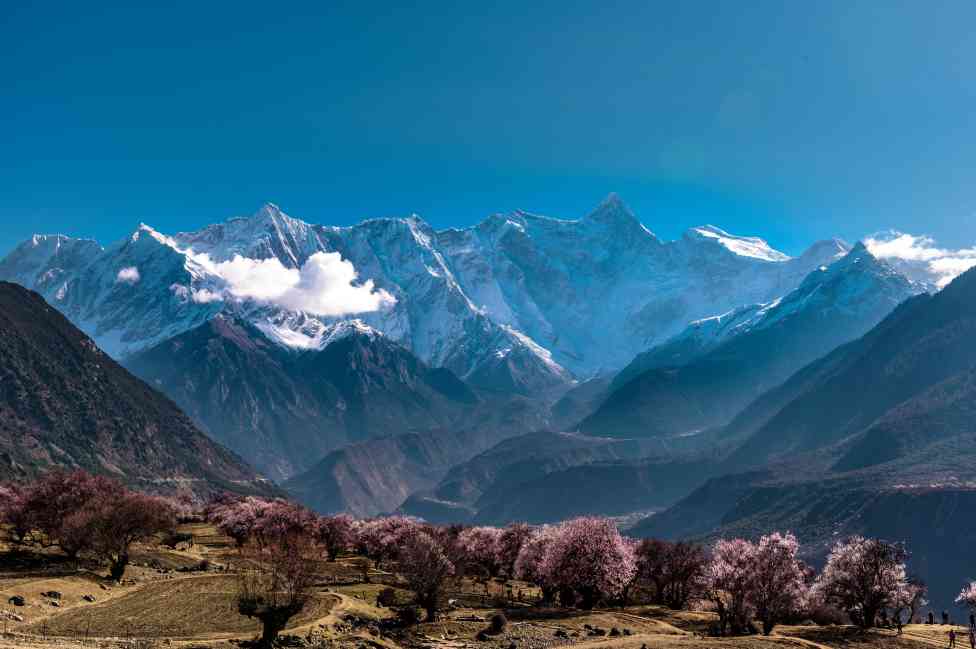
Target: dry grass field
{"type": "Point", "coordinates": [162, 603]}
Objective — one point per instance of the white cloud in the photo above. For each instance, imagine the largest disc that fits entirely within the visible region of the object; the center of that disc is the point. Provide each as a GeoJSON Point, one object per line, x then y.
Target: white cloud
{"type": "Point", "coordinates": [326, 284]}
{"type": "Point", "coordinates": [205, 296]}
{"type": "Point", "coordinates": [921, 257]}
{"type": "Point", "coordinates": [128, 275]}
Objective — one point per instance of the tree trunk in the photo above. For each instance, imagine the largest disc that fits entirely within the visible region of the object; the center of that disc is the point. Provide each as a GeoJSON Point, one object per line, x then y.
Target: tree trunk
{"type": "Point", "coordinates": [273, 621]}
{"type": "Point", "coordinates": [587, 597]}
{"type": "Point", "coordinates": [271, 627]}
{"type": "Point", "coordinates": [117, 568]}
{"type": "Point", "coordinates": [768, 625]}
{"type": "Point", "coordinates": [567, 596]}
{"type": "Point", "coordinates": [659, 588]}
{"type": "Point", "coordinates": [868, 616]}
{"type": "Point", "coordinates": [548, 595]}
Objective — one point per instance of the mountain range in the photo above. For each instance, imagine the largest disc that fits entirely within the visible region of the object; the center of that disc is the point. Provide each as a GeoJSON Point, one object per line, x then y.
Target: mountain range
{"type": "Point", "coordinates": [877, 438]}
{"type": "Point", "coordinates": [707, 374]}
{"type": "Point", "coordinates": [517, 305]}
{"type": "Point", "coordinates": [532, 368]}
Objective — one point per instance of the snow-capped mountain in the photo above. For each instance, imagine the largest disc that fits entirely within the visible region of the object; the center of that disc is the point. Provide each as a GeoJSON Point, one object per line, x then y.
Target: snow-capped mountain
{"type": "Point", "coordinates": [518, 302]}
{"type": "Point", "coordinates": [705, 376]}
{"type": "Point", "coordinates": [282, 411]}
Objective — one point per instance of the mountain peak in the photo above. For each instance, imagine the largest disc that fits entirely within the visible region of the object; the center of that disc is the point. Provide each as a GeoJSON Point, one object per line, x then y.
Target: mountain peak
{"type": "Point", "coordinates": [612, 209]}
{"type": "Point", "coordinates": [144, 232]}
{"type": "Point", "coordinates": [827, 249]}
{"type": "Point", "coordinates": [271, 214]}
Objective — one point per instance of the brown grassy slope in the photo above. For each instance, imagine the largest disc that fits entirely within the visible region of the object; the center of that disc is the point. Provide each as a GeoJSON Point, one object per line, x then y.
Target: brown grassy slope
{"type": "Point", "coordinates": [64, 402]}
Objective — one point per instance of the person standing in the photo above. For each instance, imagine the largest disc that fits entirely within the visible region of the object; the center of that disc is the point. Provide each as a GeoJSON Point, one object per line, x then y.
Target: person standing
{"type": "Point", "coordinates": [972, 638]}
{"type": "Point", "coordinates": [952, 638]}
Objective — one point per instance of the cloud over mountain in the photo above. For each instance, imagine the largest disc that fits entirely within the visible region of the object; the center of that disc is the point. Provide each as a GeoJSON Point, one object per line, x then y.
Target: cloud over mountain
{"type": "Point", "coordinates": [919, 255]}
{"type": "Point", "coordinates": [128, 275]}
{"type": "Point", "coordinates": [325, 285]}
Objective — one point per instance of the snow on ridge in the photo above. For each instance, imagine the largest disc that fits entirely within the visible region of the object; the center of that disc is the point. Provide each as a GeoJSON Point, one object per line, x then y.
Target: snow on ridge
{"type": "Point", "coordinates": [743, 246]}
{"type": "Point", "coordinates": [315, 337]}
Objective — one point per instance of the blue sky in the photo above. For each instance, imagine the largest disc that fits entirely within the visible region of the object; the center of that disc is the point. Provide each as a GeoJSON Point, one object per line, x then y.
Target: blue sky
{"type": "Point", "coordinates": [795, 121]}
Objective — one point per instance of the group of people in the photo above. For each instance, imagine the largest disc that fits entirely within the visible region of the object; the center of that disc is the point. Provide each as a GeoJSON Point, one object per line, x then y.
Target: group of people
{"type": "Point", "coordinates": [952, 632]}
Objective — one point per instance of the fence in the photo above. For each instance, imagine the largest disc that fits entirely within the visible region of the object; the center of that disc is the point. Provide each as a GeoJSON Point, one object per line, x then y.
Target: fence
{"type": "Point", "coordinates": [39, 641]}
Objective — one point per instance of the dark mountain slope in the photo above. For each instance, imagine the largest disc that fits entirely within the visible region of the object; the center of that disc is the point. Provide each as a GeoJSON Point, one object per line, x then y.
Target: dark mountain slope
{"type": "Point", "coordinates": [925, 342]}
{"type": "Point", "coordinates": [63, 402]}
{"type": "Point", "coordinates": [283, 409]}
{"type": "Point", "coordinates": [545, 476]}
{"type": "Point", "coordinates": [928, 502]}
{"type": "Point", "coordinates": [596, 487]}
{"type": "Point", "coordinates": [881, 441]}
{"type": "Point", "coordinates": [831, 307]}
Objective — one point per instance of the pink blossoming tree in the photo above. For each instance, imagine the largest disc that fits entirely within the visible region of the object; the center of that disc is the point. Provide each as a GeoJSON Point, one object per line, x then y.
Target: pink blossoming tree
{"type": "Point", "coordinates": [510, 543]}
{"type": "Point", "coordinates": [727, 583]}
{"type": "Point", "coordinates": [336, 533]}
{"type": "Point", "coordinates": [590, 558]}
{"type": "Point", "coordinates": [777, 585]}
{"type": "Point", "coordinates": [478, 547]}
{"type": "Point", "coordinates": [967, 597]}
{"type": "Point", "coordinates": [425, 566]}
{"type": "Point", "coordinates": [863, 576]}
{"type": "Point", "coordinates": [530, 564]}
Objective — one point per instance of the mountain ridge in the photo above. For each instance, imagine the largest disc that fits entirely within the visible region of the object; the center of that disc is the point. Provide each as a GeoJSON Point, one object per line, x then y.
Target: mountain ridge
{"type": "Point", "coordinates": [66, 403]}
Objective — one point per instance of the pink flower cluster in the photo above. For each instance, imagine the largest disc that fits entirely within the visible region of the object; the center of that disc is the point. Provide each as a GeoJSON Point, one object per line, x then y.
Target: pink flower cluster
{"type": "Point", "coordinates": [584, 558]}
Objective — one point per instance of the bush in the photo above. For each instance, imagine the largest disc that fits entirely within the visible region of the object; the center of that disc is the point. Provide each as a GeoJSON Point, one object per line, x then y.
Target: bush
{"type": "Point", "coordinates": [387, 597]}
{"type": "Point", "coordinates": [824, 615]}
{"type": "Point", "coordinates": [173, 538]}
{"type": "Point", "coordinates": [498, 623]}
{"type": "Point", "coordinates": [408, 616]}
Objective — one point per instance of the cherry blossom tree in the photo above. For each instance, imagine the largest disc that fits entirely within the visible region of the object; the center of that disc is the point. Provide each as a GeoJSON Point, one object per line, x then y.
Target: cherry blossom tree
{"type": "Point", "coordinates": [283, 519]}
{"type": "Point", "coordinates": [381, 539]}
{"type": "Point", "coordinates": [510, 543]}
{"type": "Point", "coordinates": [81, 513]}
{"type": "Point", "coordinates": [777, 579]}
{"type": "Point", "coordinates": [275, 585]}
{"type": "Point", "coordinates": [862, 577]}
{"type": "Point", "coordinates": [530, 564]}
{"type": "Point", "coordinates": [727, 583]}
{"type": "Point", "coordinates": [236, 517]}
{"type": "Point", "coordinates": [967, 597]}
{"type": "Point", "coordinates": [50, 506]}
{"type": "Point", "coordinates": [674, 570]}
{"type": "Point", "coordinates": [13, 512]}
{"type": "Point", "coordinates": [910, 597]}
{"type": "Point", "coordinates": [336, 534]}
{"type": "Point", "coordinates": [9, 498]}
{"type": "Point", "coordinates": [115, 522]}
{"type": "Point", "coordinates": [425, 566]}
{"type": "Point", "coordinates": [479, 547]}
{"type": "Point", "coordinates": [589, 557]}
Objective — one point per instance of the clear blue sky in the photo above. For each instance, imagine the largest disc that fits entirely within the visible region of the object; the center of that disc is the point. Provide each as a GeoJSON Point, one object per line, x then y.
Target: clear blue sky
{"type": "Point", "coordinates": [793, 120]}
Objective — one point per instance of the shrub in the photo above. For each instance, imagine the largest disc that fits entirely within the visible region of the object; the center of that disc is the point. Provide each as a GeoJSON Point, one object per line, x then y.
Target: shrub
{"type": "Point", "coordinates": [387, 597]}
{"type": "Point", "coordinates": [498, 623]}
{"type": "Point", "coordinates": [408, 616]}
{"type": "Point", "coordinates": [172, 538]}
